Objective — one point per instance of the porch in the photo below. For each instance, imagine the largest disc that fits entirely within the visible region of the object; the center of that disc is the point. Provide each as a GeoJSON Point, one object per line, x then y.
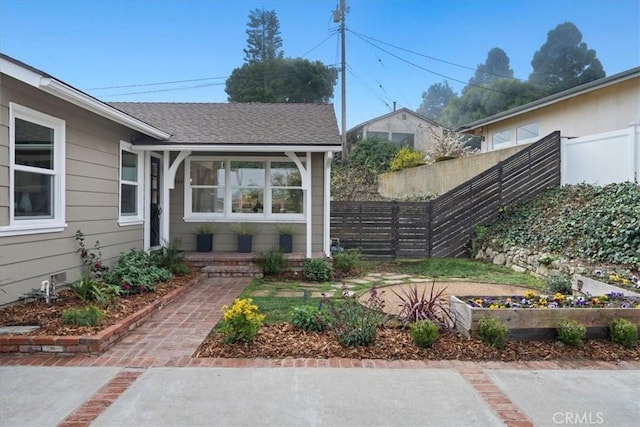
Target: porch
{"type": "Point", "coordinates": [234, 264]}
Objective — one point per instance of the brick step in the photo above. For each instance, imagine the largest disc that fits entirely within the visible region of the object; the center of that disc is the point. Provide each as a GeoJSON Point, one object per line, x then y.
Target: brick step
{"type": "Point", "coordinates": [233, 271]}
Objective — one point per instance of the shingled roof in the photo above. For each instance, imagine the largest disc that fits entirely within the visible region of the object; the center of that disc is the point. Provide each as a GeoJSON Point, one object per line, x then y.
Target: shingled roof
{"type": "Point", "coordinates": [239, 123]}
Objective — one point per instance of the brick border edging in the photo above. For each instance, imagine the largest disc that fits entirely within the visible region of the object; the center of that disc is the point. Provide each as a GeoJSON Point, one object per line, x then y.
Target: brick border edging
{"type": "Point", "coordinates": [90, 344]}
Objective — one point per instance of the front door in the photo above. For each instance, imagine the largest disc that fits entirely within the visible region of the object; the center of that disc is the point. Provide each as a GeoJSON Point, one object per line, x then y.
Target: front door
{"type": "Point", "coordinates": [154, 198]}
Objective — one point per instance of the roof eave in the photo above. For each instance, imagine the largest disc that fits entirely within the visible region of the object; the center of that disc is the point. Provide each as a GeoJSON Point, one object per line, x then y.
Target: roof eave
{"type": "Point", "coordinates": [239, 147]}
{"type": "Point", "coordinates": [63, 91]}
{"type": "Point", "coordinates": [552, 99]}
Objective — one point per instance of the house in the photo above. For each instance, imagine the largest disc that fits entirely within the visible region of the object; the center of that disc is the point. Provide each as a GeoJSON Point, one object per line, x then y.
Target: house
{"type": "Point", "coordinates": [402, 127]}
{"type": "Point", "coordinates": [138, 175]}
{"type": "Point", "coordinates": [604, 105]}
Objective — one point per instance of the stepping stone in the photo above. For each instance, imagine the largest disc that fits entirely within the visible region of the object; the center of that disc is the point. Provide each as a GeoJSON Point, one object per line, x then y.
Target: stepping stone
{"type": "Point", "coordinates": [260, 293]}
{"type": "Point", "coordinates": [374, 275]}
{"type": "Point", "coordinates": [418, 280]}
{"type": "Point", "coordinates": [18, 329]}
{"type": "Point", "coordinates": [320, 294]}
{"type": "Point", "coordinates": [392, 282]}
{"type": "Point", "coordinates": [290, 294]}
{"type": "Point", "coordinates": [397, 277]}
{"type": "Point", "coordinates": [358, 281]}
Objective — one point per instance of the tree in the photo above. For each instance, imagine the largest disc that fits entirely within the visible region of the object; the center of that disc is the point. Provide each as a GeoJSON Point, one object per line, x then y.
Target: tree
{"type": "Point", "coordinates": [267, 76]}
{"type": "Point", "coordinates": [480, 102]}
{"type": "Point", "coordinates": [564, 61]}
{"type": "Point", "coordinates": [495, 67]}
{"type": "Point", "coordinates": [435, 99]}
{"type": "Point", "coordinates": [374, 153]}
{"type": "Point", "coordinates": [263, 37]}
{"type": "Point", "coordinates": [282, 80]}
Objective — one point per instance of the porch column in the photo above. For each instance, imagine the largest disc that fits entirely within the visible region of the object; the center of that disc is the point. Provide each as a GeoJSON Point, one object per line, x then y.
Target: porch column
{"type": "Point", "coordinates": [169, 170]}
{"type": "Point", "coordinates": [326, 204]}
{"type": "Point", "coordinates": [305, 175]}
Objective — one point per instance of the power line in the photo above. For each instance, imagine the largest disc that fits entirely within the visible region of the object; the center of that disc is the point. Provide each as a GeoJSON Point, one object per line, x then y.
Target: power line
{"type": "Point", "coordinates": [159, 83]}
{"type": "Point", "coordinates": [428, 70]}
{"type": "Point", "coordinates": [475, 69]}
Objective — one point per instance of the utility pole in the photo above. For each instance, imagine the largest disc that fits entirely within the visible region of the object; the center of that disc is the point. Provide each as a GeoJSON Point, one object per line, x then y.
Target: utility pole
{"type": "Point", "coordinates": [339, 15]}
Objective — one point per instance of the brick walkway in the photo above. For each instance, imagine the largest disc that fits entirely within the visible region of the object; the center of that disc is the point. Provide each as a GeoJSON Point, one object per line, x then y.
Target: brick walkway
{"type": "Point", "coordinates": [171, 336]}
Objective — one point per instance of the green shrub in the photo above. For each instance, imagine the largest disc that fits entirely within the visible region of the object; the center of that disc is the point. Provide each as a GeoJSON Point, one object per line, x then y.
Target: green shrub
{"type": "Point", "coordinates": [86, 316]}
{"type": "Point", "coordinates": [241, 321]}
{"type": "Point", "coordinates": [88, 289]}
{"type": "Point", "coordinates": [423, 333]}
{"type": "Point", "coordinates": [493, 331]}
{"type": "Point", "coordinates": [406, 158]}
{"type": "Point", "coordinates": [135, 272]}
{"type": "Point", "coordinates": [309, 318]}
{"type": "Point", "coordinates": [316, 269]}
{"type": "Point", "coordinates": [571, 332]}
{"type": "Point", "coordinates": [273, 262]}
{"type": "Point", "coordinates": [599, 224]}
{"type": "Point", "coordinates": [171, 258]}
{"type": "Point", "coordinates": [623, 332]}
{"type": "Point", "coordinates": [347, 260]}
{"type": "Point", "coordinates": [353, 323]}
{"type": "Point", "coordinates": [558, 284]}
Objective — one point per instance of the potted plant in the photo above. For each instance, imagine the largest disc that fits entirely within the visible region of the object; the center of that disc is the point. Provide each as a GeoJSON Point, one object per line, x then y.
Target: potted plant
{"type": "Point", "coordinates": [286, 232]}
{"type": "Point", "coordinates": [245, 231]}
{"type": "Point", "coordinates": [204, 237]}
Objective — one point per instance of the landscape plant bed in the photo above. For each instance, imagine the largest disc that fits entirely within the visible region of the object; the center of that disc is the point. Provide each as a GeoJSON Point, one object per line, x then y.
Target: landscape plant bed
{"type": "Point", "coordinates": [283, 340]}
{"type": "Point", "coordinates": [121, 315]}
{"type": "Point", "coordinates": [538, 321]}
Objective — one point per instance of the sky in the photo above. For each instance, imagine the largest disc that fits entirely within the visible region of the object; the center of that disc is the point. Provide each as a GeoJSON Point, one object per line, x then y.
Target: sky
{"type": "Point", "coordinates": [117, 50]}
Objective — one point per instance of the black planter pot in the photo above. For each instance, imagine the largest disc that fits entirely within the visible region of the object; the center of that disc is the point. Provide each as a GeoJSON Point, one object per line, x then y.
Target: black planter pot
{"type": "Point", "coordinates": [286, 243]}
{"type": "Point", "coordinates": [204, 242]}
{"type": "Point", "coordinates": [244, 243]}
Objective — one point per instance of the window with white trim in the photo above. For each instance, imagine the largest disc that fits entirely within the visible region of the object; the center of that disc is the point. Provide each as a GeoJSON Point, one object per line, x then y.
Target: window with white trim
{"type": "Point", "coordinates": [131, 185]}
{"type": "Point", "coordinates": [228, 188]}
{"type": "Point", "coordinates": [501, 139]}
{"type": "Point", "coordinates": [36, 172]}
{"type": "Point", "coordinates": [527, 133]}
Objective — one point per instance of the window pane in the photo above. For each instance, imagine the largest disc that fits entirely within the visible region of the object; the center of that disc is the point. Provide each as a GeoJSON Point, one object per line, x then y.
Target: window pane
{"type": "Point", "coordinates": [129, 166]}
{"type": "Point", "coordinates": [207, 200]}
{"type": "Point", "coordinates": [247, 200]}
{"type": "Point", "coordinates": [501, 138]}
{"type": "Point", "coordinates": [33, 145]}
{"type": "Point", "coordinates": [402, 139]}
{"type": "Point", "coordinates": [286, 201]}
{"type": "Point", "coordinates": [128, 199]}
{"type": "Point", "coordinates": [285, 174]}
{"type": "Point", "coordinates": [247, 174]}
{"type": "Point", "coordinates": [529, 131]}
{"type": "Point", "coordinates": [33, 195]}
{"type": "Point", "coordinates": [380, 135]}
{"type": "Point", "coordinates": [207, 172]}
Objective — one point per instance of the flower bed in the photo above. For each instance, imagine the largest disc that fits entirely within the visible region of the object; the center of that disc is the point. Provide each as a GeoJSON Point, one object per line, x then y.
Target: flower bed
{"type": "Point", "coordinates": [534, 316]}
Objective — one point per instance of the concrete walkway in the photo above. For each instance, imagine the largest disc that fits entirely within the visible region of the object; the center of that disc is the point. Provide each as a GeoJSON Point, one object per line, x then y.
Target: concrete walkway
{"type": "Point", "coordinates": [149, 379]}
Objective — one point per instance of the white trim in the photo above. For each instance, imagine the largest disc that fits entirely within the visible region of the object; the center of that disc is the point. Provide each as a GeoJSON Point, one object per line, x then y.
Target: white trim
{"type": "Point", "coordinates": [308, 206]}
{"type": "Point", "coordinates": [60, 90]}
{"type": "Point", "coordinates": [326, 204]}
{"type": "Point", "coordinates": [227, 215]}
{"type": "Point", "coordinates": [138, 218]}
{"type": "Point", "coordinates": [240, 148]}
{"type": "Point", "coordinates": [38, 225]}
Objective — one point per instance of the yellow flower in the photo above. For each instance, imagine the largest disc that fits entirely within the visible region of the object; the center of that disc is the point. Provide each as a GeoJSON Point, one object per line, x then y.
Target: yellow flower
{"type": "Point", "coordinates": [493, 306]}
{"type": "Point", "coordinates": [542, 301]}
{"type": "Point", "coordinates": [558, 297]}
{"type": "Point", "coordinates": [529, 294]}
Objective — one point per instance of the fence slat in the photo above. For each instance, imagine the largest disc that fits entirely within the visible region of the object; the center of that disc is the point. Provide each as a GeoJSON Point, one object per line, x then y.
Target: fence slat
{"type": "Point", "coordinates": [443, 226]}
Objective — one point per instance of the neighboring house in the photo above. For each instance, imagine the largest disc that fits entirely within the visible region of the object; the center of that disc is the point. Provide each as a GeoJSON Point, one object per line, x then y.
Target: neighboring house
{"type": "Point", "coordinates": [604, 105]}
{"type": "Point", "coordinates": [402, 127]}
{"type": "Point", "coordinates": [137, 175]}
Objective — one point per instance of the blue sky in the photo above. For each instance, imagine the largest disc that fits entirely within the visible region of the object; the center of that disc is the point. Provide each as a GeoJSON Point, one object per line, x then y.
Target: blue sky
{"type": "Point", "coordinates": [107, 43]}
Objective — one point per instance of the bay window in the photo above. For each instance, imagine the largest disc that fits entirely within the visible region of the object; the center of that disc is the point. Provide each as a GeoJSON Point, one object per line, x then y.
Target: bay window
{"type": "Point", "coordinates": [228, 188]}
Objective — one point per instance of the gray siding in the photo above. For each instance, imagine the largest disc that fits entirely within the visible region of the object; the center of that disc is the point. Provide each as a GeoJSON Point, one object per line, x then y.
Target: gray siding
{"type": "Point", "coordinates": [92, 192]}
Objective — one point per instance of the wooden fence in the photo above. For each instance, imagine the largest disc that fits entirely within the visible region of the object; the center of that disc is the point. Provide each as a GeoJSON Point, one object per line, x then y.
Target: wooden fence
{"type": "Point", "coordinates": [443, 227]}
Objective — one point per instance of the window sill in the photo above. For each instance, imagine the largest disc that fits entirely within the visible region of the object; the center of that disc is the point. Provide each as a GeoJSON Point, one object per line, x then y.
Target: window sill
{"type": "Point", "coordinates": [22, 230]}
{"type": "Point", "coordinates": [124, 222]}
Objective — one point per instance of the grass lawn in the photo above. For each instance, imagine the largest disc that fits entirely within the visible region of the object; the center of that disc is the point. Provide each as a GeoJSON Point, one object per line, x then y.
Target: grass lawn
{"type": "Point", "coordinates": [277, 309]}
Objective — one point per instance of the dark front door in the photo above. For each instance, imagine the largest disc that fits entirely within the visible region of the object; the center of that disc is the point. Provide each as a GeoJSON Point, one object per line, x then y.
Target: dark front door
{"type": "Point", "coordinates": [156, 210]}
